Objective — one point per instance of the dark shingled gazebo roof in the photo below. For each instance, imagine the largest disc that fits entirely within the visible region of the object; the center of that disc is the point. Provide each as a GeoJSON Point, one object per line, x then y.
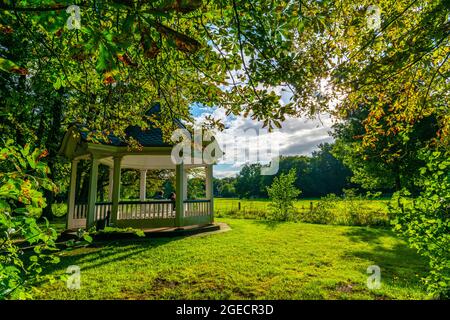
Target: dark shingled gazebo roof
{"type": "Point", "coordinates": [151, 137]}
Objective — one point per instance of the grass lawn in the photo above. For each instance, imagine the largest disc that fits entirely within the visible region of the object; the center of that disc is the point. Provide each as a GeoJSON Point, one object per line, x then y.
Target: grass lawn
{"type": "Point", "coordinates": [362, 212]}
{"type": "Point", "coordinates": [255, 260]}
{"type": "Point", "coordinates": [227, 204]}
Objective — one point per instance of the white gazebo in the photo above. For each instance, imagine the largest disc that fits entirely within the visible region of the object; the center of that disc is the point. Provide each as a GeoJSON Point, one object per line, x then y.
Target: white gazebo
{"type": "Point", "coordinates": [139, 213]}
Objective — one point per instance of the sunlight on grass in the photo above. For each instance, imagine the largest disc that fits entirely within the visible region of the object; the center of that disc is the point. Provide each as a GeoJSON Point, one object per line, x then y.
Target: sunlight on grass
{"type": "Point", "coordinates": [255, 260]}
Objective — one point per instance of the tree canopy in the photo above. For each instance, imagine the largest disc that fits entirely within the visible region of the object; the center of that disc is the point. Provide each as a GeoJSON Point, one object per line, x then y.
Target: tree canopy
{"type": "Point", "coordinates": [387, 84]}
{"type": "Point", "coordinates": [237, 54]}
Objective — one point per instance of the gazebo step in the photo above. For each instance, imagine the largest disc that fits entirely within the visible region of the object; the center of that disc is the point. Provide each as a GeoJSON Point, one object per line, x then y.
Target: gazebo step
{"type": "Point", "coordinates": [152, 233]}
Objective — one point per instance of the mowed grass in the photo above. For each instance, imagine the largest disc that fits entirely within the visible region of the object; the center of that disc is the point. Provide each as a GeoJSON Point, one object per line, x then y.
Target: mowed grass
{"type": "Point", "coordinates": [255, 260]}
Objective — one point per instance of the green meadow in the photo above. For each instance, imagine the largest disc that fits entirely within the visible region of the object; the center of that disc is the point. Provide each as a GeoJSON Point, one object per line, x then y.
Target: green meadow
{"type": "Point", "coordinates": [254, 260]}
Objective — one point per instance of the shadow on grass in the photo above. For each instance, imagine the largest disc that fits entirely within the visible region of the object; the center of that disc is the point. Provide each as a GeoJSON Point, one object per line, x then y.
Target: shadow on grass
{"type": "Point", "coordinates": [400, 265]}
{"type": "Point", "coordinates": [270, 224]}
{"type": "Point", "coordinates": [370, 235]}
{"type": "Point", "coordinates": [104, 252]}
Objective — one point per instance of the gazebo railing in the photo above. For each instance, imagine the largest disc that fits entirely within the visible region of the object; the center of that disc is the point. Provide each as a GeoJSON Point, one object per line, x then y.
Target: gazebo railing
{"type": "Point", "coordinates": [193, 208]}
{"type": "Point", "coordinates": [148, 214]}
{"type": "Point", "coordinates": [159, 209]}
{"type": "Point", "coordinates": [101, 210]}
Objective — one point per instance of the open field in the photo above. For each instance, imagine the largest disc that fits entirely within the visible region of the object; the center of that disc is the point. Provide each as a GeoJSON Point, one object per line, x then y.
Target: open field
{"type": "Point", "coordinates": [368, 212]}
{"type": "Point", "coordinates": [226, 204]}
{"type": "Point", "coordinates": [255, 260]}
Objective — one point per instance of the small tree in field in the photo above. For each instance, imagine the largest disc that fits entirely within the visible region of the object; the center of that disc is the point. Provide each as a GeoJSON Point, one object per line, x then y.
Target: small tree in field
{"type": "Point", "coordinates": [282, 192]}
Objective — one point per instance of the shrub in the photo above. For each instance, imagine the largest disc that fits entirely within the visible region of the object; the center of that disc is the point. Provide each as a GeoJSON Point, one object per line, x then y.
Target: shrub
{"type": "Point", "coordinates": [425, 220]}
{"type": "Point", "coordinates": [282, 192]}
{"type": "Point", "coordinates": [59, 209]}
{"type": "Point", "coordinates": [321, 213]}
{"type": "Point", "coordinates": [21, 203]}
{"type": "Point", "coordinates": [350, 209]}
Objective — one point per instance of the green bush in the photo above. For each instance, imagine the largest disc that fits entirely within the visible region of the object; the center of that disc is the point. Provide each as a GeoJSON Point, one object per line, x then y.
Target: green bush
{"type": "Point", "coordinates": [23, 176]}
{"type": "Point", "coordinates": [242, 214]}
{"type": "Point", "coordinates": [322, 213]}
{"type": "Point", "coordinates": [425, 220]}
{"type": "Point", "coordinates": [350, 209]}
{"type": "Point", "coordinates": [59, 209]}
{"type": "Point", "coordinates": [282, 192]}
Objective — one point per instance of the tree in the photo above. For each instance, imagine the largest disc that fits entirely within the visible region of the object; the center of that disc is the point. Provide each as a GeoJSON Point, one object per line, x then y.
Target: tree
{"type": "Point", "coordinates": [425, 221]}
{"type": "Point", "coordinates": [237, 54]}
{"type": "Point", "coordinates": [126, 54]}
{"type": "Point", "coordinates": [317, 175]}
{"type": "Point", "coordinates": [325, 174]}
{"type": "Point", "coordinates": [228, 190]}
{"type": "Point", "coordinates": [282, 192]}
{"type": "Point", "coordinates": [225, 187]}
{"type": "Point", "coordinates": [248, 181]}
{"type": "Point", "coordinates": [400, 74]}
{"type": "Point", "coordinates": [391, 161]}
{"type": "Point", "coordinates": [196, 188]}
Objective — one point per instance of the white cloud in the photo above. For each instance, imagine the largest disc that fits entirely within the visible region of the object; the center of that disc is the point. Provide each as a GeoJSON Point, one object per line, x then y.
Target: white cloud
{"type": "Point", "coordinates": [298, 136]}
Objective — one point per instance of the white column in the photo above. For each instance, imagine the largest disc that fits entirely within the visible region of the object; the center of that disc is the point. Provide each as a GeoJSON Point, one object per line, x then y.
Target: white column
{"type": "Point", "coordinates": [110, 183]}
{"type": "Point", "coordinates": [179, 202]}
{"type": "Point", "coordinates": [116, 189]}
{"type": "Point", "coordinates": [142, 185]}
{"type": "Point", "coordinates": [72, 193]}
{"type": "Point", "coordinates": [210, 189]}
{"type": "Point", "coordinates": [185, 184]}
{"type": "Point", "coordinates": [92, 196]}
{"type": "Point", "coordinates": [142, 189]}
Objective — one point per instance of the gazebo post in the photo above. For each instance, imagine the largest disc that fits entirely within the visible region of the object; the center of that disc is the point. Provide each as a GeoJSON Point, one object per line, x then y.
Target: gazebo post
{"type": "Point", "coordinates": [72, 193]}
{"type": "Point", "coordinates": [210, 189]}
{"type": "Point", "coordinates": [142, 189]}
{"type": "Point", "coordinates": [185, 184]}
{"type": "Point", "coordinates": [142, 185]}
{"type": "Point", "coordinates": [180, 196]}
{"type": "Point", "coordinates": [92, 196]}
{"type": "Point", "coordinates": [116, 189]}
{"type": "Point", "coordinates": [110, 183]}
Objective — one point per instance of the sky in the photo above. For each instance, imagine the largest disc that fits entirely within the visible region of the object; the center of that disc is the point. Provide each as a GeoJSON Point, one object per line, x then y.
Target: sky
{"type": "Point", "coordinates": [244, 140]}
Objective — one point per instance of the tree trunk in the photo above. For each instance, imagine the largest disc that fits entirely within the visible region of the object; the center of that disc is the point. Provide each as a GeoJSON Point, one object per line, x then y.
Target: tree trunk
{"type": "Point", "coordinates": [398, 182]}
{"type": "Point", "coordinates": [52, 144]}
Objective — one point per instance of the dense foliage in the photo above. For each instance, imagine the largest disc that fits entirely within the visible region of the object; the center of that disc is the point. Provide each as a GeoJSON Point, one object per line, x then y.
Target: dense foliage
{"type": "Point", "coordinates": [242, 56]}
{"type": "Point", "coordinates": [425, 220]}
{"type": "Point", "coordinates": [316, 175]}
{"type": "Point", "coordinates": [22, 180]}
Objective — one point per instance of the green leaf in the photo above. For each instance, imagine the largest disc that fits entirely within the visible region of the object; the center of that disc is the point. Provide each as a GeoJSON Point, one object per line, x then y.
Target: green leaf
{"type": "Point", "coordinates": [87, 238]}
{"type": "Point", "coordinates": [9, 66]}
{"type": "Point", "coordinates": [57, 84]}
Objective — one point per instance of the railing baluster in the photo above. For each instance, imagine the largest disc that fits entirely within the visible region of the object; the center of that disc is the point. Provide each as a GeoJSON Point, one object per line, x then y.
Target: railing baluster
{"type": "Point", "coordinates": [141, 210]}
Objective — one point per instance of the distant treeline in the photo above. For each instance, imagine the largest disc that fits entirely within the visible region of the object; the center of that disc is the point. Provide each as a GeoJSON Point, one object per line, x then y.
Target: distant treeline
{"type": "Point", "coordinates": [317, 175]}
